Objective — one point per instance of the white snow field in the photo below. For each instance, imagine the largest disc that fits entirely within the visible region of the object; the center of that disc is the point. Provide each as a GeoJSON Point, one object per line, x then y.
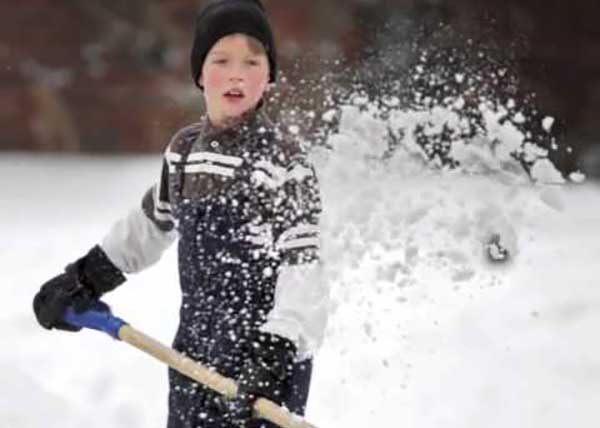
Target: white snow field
{"type": "Point", "coordinates": [423, 333]}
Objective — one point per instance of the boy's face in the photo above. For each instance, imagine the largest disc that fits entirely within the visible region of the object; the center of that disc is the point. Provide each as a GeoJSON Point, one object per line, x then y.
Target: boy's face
{"type": "Point", "coordinates": [235, 76]}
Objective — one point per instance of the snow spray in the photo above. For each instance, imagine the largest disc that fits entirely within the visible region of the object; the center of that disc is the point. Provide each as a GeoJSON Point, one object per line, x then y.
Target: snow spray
{"type": "Point", "coordinates": [419, 175]}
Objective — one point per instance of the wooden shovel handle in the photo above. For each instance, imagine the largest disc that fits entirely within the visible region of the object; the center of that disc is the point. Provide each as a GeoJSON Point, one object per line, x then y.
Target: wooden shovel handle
{"type": "Point", "coordinates": [263, 408]}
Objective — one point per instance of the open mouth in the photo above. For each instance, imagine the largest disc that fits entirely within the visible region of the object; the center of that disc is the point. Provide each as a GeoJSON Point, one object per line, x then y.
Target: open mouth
{"type": "Point", "coordinates": [234, 94]}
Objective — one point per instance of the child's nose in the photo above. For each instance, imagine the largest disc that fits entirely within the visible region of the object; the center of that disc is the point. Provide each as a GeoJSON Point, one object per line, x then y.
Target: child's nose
{"type": "Point", "coordinates": [237, 73]}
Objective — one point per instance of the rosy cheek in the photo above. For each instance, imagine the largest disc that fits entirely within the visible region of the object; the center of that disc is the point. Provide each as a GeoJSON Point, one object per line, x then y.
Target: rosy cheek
{"type": "Point", "coordinates": [213, 79]}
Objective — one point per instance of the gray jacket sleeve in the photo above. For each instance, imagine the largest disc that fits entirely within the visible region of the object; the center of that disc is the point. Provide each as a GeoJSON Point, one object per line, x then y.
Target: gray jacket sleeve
{"type": "Point", "coordinates": [139, 240]}
{"type": "Point", "coordinates": [301, 295]}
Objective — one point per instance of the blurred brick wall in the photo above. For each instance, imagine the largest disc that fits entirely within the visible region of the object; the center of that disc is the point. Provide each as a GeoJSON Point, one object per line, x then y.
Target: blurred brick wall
{"type": "Point", "coordinates": [104, 75]}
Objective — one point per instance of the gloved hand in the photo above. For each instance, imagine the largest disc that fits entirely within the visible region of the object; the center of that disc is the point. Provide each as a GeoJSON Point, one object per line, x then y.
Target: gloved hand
{"type": "Point", "coordinates": [80, 286]}
{"type": "Point", "coordinates": [265, 374]}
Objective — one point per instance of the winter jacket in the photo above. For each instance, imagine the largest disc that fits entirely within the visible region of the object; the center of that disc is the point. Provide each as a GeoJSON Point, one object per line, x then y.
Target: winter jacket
{"type": "Point", "coordinates": [243, 203]}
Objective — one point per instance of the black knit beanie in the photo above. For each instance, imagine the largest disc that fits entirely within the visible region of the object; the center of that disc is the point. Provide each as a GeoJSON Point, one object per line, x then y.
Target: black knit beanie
{"type": "Point", "coordinates": [221, 18]}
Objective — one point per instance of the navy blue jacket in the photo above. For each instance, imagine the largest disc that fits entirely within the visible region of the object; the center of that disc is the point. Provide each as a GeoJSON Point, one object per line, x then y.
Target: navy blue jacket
{"type": "Point", "coordinates": [243, 203]}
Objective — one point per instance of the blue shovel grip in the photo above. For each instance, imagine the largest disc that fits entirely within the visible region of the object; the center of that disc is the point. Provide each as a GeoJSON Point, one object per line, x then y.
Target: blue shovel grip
{"type": "Point", "coordinates": [98, 317]}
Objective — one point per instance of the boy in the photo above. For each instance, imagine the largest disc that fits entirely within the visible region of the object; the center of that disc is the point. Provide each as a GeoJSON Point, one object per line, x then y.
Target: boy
{"type": "Point", "coordinates": [244, 204]}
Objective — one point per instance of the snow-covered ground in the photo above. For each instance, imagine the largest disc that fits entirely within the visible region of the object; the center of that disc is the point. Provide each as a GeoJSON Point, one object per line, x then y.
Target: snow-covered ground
{"type": "Point", "coordinates": [423, 332]}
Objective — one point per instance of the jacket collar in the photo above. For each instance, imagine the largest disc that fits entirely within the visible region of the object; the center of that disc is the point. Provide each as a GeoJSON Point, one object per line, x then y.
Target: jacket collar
{"type": "Point", "coordinates": [249, 121]}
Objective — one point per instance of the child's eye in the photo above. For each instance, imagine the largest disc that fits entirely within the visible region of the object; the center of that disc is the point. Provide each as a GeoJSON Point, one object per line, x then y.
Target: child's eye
{"type": "Point", "coordinates": [220, 61]}
{"type": "Point", "coordinates": [252, 62]}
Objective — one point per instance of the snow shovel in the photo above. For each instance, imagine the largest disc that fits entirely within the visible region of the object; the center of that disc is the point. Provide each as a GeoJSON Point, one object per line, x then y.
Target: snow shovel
{"type": "Point", "coordinates": [100, 318]}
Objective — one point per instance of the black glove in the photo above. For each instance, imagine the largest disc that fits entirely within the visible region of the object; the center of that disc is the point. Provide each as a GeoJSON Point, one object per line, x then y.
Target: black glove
{"type": "Point", "coordinates": [80, 286]}
{"type": "Point", "coordinates": [265, 374]}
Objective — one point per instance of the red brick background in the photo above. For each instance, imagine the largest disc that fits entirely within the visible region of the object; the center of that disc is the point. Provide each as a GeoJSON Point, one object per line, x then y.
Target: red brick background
{"type": "Point", "coordinates": [107, 75]}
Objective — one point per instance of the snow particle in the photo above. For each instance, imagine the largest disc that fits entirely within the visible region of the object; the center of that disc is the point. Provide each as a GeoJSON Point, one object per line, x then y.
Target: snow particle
{"type": "Point", "coordinates": [547, 123]}
{"type": "Point", "coordinates": [459, 103]}
{"type": "Point", "coordinates": [329, 115]}
{"type": "Point", "coordinates": [544, 171]}
{"type": "Point", "coordinates": [577, 177]}
{"type": "Point", "coordinates": [360, 100]}
{"type": "Point", "coordinates": [391, 101]}
{"type": "Point", "coordinates": [519, 118]}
